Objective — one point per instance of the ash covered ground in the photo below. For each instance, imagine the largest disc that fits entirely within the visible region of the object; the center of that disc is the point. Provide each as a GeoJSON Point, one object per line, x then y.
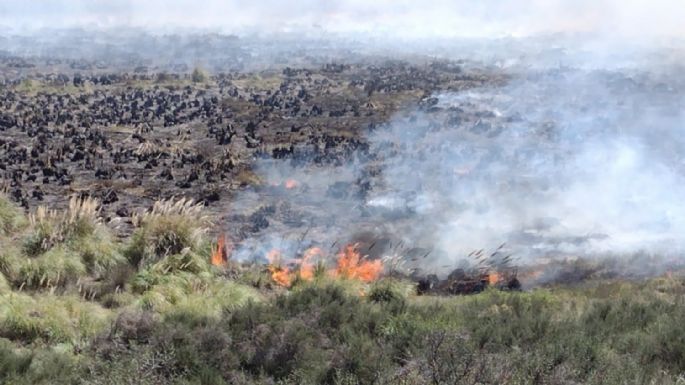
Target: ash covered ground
{"type": "Point", "coordinates": [425, 157]}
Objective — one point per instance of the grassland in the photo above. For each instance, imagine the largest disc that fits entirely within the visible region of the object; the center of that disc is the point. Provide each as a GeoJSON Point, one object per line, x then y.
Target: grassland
{"type": "Point", "coordinates": [78, 305]}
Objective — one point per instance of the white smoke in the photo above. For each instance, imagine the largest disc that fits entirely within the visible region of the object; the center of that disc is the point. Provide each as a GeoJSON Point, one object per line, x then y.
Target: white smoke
{"type": "Point", "coordinates": [566, 162]}
{"type": "Point", "coordinates": [400, 18]}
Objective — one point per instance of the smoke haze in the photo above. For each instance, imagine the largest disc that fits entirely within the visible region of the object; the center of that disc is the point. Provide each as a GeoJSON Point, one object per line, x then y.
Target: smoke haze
{"type": "Point", "coordinates": [408, 19]}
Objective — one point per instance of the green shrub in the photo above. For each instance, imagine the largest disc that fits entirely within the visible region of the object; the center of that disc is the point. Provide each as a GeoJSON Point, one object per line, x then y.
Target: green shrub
{"type": "Point", "coordinates": [13, 363]}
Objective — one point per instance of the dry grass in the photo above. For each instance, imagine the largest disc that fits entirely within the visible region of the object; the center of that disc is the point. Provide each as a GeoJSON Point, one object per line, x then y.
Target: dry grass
{"type": "Point", "coordinates": [171, 227]}
{"type": "Point", "coordinates": [59, 248]}
{"type": "Point", "coordinates": [52, 227]}
{"type": "Point", "coordinates": [11, 217]}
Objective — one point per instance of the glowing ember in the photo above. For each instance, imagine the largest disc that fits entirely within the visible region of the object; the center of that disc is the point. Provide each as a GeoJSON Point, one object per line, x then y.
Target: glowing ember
{"type": "Point", "coordinates": [220, 253]}
{"type": "Point", "coordinates": [290, 184]}
{"type": "Point", "coordinates": [352, 265]}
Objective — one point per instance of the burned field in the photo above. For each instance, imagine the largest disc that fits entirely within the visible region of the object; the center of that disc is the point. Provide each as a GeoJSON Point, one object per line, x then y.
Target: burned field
{"type": "Point", "coordinates": [130, 139]}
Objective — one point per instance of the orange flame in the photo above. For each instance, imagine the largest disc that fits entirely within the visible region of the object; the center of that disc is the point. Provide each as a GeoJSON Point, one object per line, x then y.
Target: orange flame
{"type": "Point", "coordinates": [280, 274]}
{"type": "Point", "coordinates": [493, 278]}
{"type": "Point", "coordinates": [220, 253]}
{"type": "Point", "coordinates": [352, 265]}
{"type": "Point", "coordinates": [307, 267]}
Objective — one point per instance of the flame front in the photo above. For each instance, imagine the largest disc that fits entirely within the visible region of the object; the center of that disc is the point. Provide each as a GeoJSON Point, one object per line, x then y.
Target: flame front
{"type": "Point", "coordinates": [352, 265]}
{"type": "Point", "coordinates": [280, 274]}
{"type": "Point", "coordinates": [307, 266]}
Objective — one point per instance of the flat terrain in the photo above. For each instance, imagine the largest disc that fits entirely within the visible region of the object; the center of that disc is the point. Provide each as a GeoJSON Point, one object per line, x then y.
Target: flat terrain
{"type": "Point", "coordinates": [129, 139]}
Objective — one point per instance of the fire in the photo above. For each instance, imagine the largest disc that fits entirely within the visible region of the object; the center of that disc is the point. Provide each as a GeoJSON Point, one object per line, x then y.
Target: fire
{"type": "Point", "coordinates": [290, 184]}
{"type": "Point", "coordinates": [220, 253]}
{"type": "Point", "coordinates": [307, 267]}
{"type": "Point", "coordinates": [274, 257]}
{"type": "Point", "coordinates": [493, 278]}
{"type": "Point", "coordinates": [532, 275]}
{"type": "Point", "coordinates": [283, 276]}
{"type": "Point", "coordinates": [280, 274]}
{"type": "Point", "coordinates": [352, 265]}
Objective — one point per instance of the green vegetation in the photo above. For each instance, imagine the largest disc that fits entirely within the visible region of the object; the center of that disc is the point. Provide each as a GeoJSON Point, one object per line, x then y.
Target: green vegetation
{"type": "Point", "coordinates": [78, 306]}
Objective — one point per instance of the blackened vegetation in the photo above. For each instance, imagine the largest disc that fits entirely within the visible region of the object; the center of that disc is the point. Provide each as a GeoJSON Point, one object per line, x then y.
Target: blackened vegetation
{"type": "Point", "coordinates": [487, 270]}
{"type": "Point", "coordinates": [130, 138]}
{"type": "Point", "coordinates": [459, 282]}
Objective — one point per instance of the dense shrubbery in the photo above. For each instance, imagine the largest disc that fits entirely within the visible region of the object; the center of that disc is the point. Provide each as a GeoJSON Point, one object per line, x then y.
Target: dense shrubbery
{"type": "Point", "coordinates": [77, 306]}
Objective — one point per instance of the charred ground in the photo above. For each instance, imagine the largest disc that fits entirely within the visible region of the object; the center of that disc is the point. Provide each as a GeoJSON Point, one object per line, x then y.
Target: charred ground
{"type": "Point", "coordinates": [130, 138]}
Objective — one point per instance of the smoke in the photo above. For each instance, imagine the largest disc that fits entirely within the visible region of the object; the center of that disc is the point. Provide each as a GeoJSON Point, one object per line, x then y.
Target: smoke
{"type": "Point", "coordinates": [404, 18]}
{"type": "Point", "coordinates": [558, 163]}
{"type": "Point", "coordinates": [566, 162]}
{"type": "Point", "coordinates": [580, 154]}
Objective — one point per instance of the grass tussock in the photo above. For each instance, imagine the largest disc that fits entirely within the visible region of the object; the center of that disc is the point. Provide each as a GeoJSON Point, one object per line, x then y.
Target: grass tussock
{"type": "Point", "coordinates": [11, 217]}
{"type": "Point", "coordinates": [60, 248]}
{"type": "Point", "coordinates": [171, 227]}
{"type": "Point", "coordinates": [50, 318]}
{"type": "Point", "coordinates": [52, 227]}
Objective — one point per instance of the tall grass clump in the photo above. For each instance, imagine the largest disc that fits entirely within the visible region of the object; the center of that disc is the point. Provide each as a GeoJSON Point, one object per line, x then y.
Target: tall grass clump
{"type": "Point", "coordinates": [53, 227]}
{"type": "Point", "coordinates": [61, 247]}
{"type": "Point", "coordinates": [50, 318]}
{"type": "Point", "coordinates": [170, 228]}
{"type": "Point", "coordinates": [198, 75]}
{"type": "Point", "coordinates": [11, 217]}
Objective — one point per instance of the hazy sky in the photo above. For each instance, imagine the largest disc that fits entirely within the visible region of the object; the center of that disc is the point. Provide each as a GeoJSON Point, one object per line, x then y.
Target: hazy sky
{"type": "Point", "coordinates": [402, 18]}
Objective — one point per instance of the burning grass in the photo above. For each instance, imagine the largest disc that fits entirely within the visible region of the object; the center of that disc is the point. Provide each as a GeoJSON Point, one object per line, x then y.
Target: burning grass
{"type": "Point", "coordinates": [349, 265]}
